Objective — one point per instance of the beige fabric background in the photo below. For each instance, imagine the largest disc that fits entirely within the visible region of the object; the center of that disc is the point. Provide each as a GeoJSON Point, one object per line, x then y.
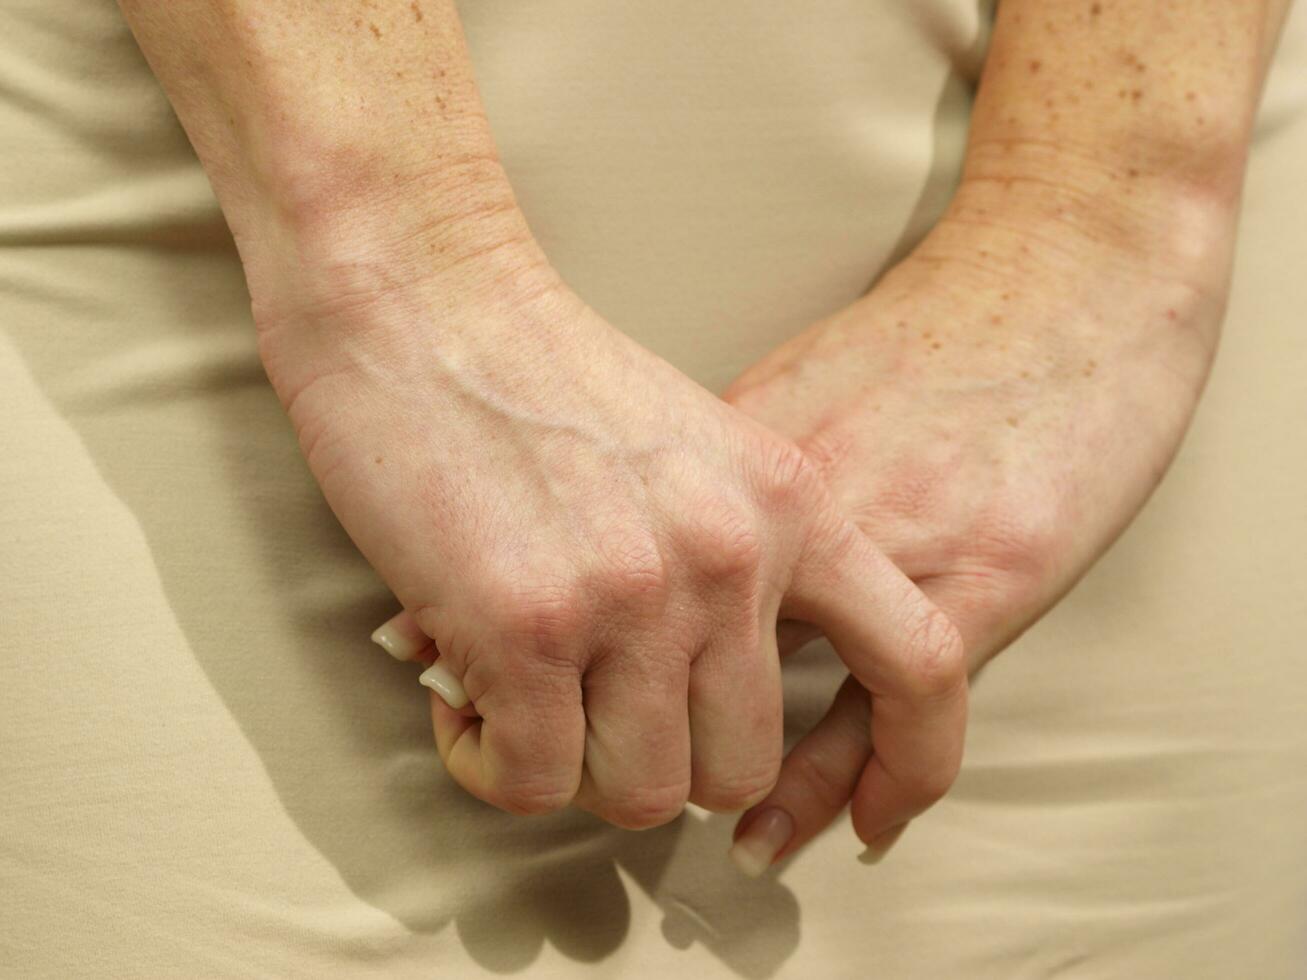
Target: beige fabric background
{"type": "Point", "coordinates": [207, 771]}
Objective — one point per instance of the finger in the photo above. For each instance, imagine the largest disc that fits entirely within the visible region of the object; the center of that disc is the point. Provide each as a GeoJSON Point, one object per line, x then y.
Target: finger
{"type": "Point", "coordinates": [443, 681]}
{"type": "Point", "coordinates": [821, 771]}
{"type": "Point", "coordinates": [916, 755]}
{"type": "Point", "coordinates": [401, 637]}
{"type": "Point", "coordinates": [524, 753]}
{"type": "Point", "coordinates": [449, 726]}
{"type": "Point", "coordinates": [878, 848]}
{"type": "Point", "coordinates": [736, 718]}
{"type": "Point", "coordinates": [637, 743]}
{"type": "Point", "coordinates": [816, 781]}
{"type": "Point", "coordinates": [907, 654]}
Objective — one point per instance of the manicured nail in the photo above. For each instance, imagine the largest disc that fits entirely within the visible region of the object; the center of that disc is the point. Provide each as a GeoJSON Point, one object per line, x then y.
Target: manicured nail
{"type": "Point", "coordinates": [400, 637]}
{"type": "Point", "coordinates": [450, 688]}
{"type": "Point", "coordinates": [878, 848]}
{"type": "Point", "coordinates": [756, 848]}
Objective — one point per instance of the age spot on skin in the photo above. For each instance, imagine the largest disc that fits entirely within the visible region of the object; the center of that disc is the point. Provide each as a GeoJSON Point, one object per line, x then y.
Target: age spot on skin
{"type": "Point", "coordinates": [996, 320]}
{"type": "Point", "coordinates": [417, 11]}
{"type": "Point", "coordinates": [378, 460]}
{"type": "Point", "coordinates": [1035, 66]}
{"type": "Point", "coordinates": [1095, 10]}
{"type": "Point", "coordinates": [376, 31]}
{"type": "Point", "coordinates": [1090, 368]}
{"type": "Point", "coordinates": [1012, 421]}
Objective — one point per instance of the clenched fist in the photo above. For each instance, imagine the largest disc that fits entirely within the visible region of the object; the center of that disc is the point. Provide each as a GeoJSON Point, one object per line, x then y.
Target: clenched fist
{"type": "Point", "coordinates": [599, 550]}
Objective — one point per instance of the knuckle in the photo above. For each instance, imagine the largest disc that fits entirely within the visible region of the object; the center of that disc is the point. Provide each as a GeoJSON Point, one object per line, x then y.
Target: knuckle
{"type": "Point", "coordinates": [645, 807]}
{"type": "Point", "coordinates": [545, 619]}
{"type": "Point", "coordinates": [533, 798]}
{"type": "Point", "coordinates": [927, 786]}
{"type": "Point", "coordinates": [1019, 548]}
{"type": "Point", "coordinates": [936, 659]}
{"type": "Point", "coordinates": [833, 538]}
{"type": "Point", "coordinates": [725, 541]}
{"type": "Point", "coordinates": [633, 572]}
{"type": "Point", "coordinates": [787, 476]}
{"type": "Point", "coordinates": [737, 792]}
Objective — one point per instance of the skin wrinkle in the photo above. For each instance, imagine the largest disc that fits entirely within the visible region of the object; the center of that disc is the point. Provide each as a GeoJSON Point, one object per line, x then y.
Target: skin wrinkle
{"type": "Point", "coordinates": [330, 130]}
{"type": "Point", "coordinates": [1117, 221]}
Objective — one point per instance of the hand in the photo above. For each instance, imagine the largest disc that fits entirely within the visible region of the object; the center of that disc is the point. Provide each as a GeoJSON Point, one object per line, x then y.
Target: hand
{"type": "Point", "coordinates": [992, 414]}
{"type": "Point", "coordinates": [599, 548]}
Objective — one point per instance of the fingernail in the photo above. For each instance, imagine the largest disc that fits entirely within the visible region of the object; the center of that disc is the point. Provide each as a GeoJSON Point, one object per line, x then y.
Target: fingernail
{"type": "Point", "coordinates": [400, 637]}
{"type": "Point", "coordinates": [756, 848]}
{"type": "Point", "coordinates": [879, 847]}
{"type": "Point", "coordinates": [450, 688]}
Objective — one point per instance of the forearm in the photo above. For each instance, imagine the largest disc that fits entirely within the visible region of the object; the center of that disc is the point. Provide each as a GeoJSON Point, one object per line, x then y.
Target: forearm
{"type": "Point", "coordinates": [1118, 123]}
{"type": "Point", "coordinates": [333, 129]}
{"type": "Point", "coordinates": [1164, 89]}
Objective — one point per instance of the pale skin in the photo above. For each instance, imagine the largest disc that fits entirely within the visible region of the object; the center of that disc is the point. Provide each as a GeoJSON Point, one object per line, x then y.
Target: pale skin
{"type": "Point", "coordinates": [608, 557]}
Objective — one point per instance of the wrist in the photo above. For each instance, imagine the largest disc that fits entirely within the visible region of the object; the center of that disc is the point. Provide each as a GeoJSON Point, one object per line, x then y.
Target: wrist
{"type": "Point", "coordinates": [1029, 217]}
{"type": "Point", "coordinates": [455, 234]}
{"type": "Point", "coordinates": [1052, 260]}
{"type": "Point", "coordinates": [1088, 210]}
